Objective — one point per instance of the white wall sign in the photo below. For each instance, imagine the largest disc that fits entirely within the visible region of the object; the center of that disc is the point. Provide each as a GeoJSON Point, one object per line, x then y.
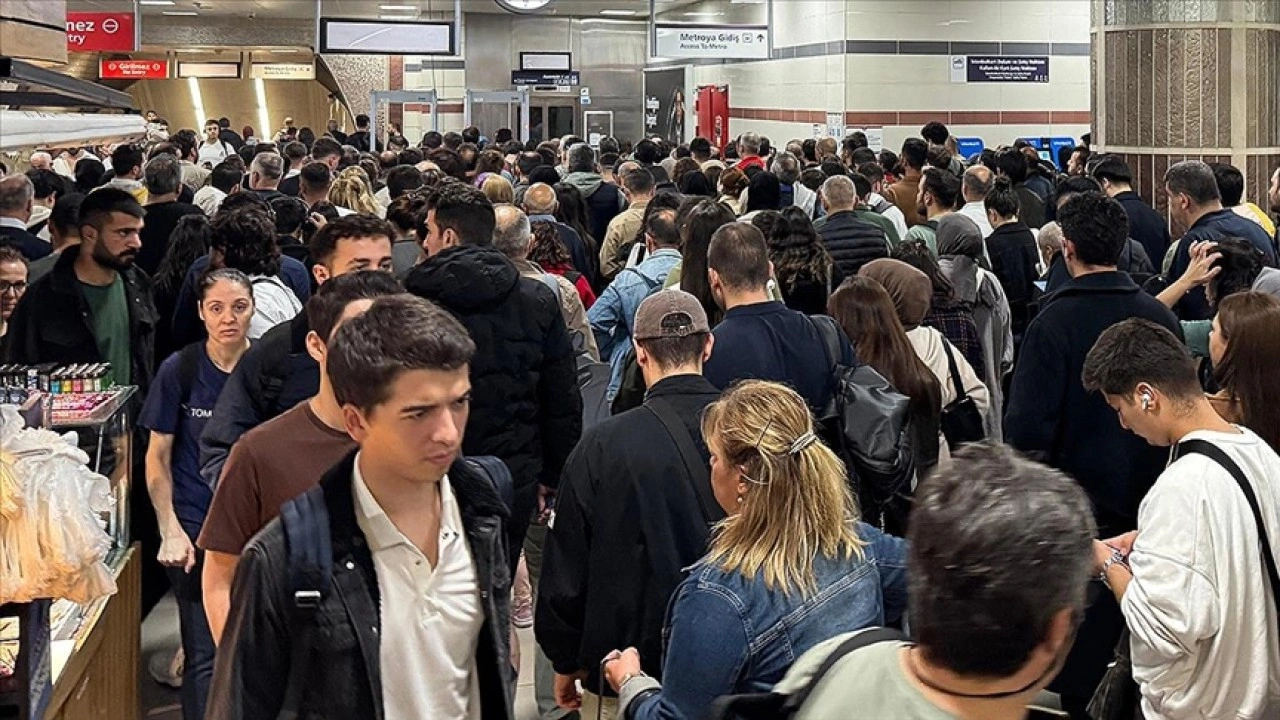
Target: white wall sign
{"type": "Point", "coordinates": [283, 71]}
{"type": "Point", "coordinates": [875, 136]}
{"type": "Point", "coordinates": [227, 70]}
{"type": "Point", "coordinates": [726, 42]}
{"type": "Point", "coordinates": [835, 124]}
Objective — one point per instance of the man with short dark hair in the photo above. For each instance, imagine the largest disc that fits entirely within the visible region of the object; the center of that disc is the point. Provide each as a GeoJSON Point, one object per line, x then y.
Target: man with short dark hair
{"type": "Point", "coordinates": [937, 193]}
{"type": "Point", "coordinates": [284, 456]}
{"type": "Point", "coordinates": [331, 129]}
{"type": "Point", "coordinates": [229, 136]}
{"type": "Point", "coordinates": [225, 179]}
{"type": "Point", "coordinates": [1190, 580]}
{"type": "Point", "coordinates": [638, 186]}
{"type": "Point", "coordinates": [17, 198]}
{"type": "Point", "coordinates": [313, 186]}
{"type": "Point", "coordinates": [64, 231]}
{"type": "Point", "coordinates": [1052, 418]}
{"type": "Point", "coordinates": [604, 201]}
{"type": "Point", "coordinates": [760, 338]}
{"type": "Point", "coordinates": [700, 150]}
{"type": "Point", "coordinates": [163, 180]}
{"type": "Point", "coordinates": [1196, 205]}
{"type": "Point", "coordinates": [126, 166]}
{"type": "Point", "coordinates": [528, 410]}
{"type": "Point", "coordinates": [875, 201]}
{"type": "Point", "coordinates": [95, 305]}
{"type": "Point", "coordinates": [362, 140]}
{"type": "Point", "coordinates": [608, 502]}
{"type": "Point", "coordinates": [853, 238]}
{"type": "Point", "coordinates": [937, 135]}
{"type": "Point", "coordinates": [214, 149]}
{"type": "Point", "coordinates": [1231, 187]}
{"type": "Point", "coordinates": [1145, 224]}
{"type": "Point", "coordinates": [972, 551]}
{"type": "Point", "coordinates": [47, 186]}
{"type": "Point", "coordinates": [418, 525]}
{"type": "Point", "coordinates": [613, 314]}
{"type": "Point", "coordinates": [295, 153]}
{"type": "Point", "coordinates": [327, 151]}
{"type": "Point", "coordinates": [906, 192]}
{"type": "Point", "coordinates": [1011, 163]}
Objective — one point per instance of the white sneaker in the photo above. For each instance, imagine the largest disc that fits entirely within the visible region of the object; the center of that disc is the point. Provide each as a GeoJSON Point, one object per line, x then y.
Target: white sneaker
{"type": "Point", "coordinates": [167, 670]}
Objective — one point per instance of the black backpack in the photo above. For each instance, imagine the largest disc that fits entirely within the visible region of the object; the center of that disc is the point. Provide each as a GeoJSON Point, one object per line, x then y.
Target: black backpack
{"type": "Point", "coordinates": [777, 706]}
{"type": "Point", "coordinates": [309, 549]}
{"type": "Point", "coordinates": [868, 424]}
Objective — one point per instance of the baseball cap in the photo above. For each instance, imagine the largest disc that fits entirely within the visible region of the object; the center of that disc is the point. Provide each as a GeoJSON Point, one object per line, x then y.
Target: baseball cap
{"type": "Point", "coordinates": [670, 313]}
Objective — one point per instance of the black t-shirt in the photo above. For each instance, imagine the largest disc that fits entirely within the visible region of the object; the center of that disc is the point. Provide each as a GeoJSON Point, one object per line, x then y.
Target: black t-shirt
{"type": "Point", "coordinates": [160, 221]}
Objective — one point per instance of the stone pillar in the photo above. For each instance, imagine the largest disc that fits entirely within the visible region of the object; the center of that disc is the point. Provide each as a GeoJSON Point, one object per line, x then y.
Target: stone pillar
{"type": "Point", "coordinates": [1188, 79]}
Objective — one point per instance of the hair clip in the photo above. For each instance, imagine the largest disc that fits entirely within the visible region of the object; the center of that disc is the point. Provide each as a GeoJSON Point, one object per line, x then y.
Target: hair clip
{"type": "Point", "coordinates": [803, 442]}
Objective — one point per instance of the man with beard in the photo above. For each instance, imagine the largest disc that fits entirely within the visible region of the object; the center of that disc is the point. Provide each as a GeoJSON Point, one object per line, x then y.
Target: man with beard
{"type": "Point", "coordinates": [94, 306]}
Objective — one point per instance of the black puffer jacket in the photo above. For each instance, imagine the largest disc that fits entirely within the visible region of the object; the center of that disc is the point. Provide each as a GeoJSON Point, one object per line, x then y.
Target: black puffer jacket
{"type": "Point", "coordinates": [852, 242]}
{"type": "Point", "coordinates": [525, 405]}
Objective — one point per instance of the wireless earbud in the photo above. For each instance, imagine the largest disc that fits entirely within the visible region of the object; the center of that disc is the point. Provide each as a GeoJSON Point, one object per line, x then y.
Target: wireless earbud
{"type": "Point", "coordinates": [1147, 400]}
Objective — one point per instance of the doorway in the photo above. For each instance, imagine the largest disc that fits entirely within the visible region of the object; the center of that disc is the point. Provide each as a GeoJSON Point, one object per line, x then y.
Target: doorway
{"type": "Point", "coordinates": [552, 117]}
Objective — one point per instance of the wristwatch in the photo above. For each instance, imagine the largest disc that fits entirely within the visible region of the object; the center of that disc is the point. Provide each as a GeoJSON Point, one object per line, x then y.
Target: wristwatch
{"type": "Point", "coordinates": [1117, 558]}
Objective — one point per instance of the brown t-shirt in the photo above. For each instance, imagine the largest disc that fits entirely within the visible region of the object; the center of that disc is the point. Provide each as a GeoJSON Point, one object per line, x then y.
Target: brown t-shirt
{"type": "Point", "coordinates": [269, 466]}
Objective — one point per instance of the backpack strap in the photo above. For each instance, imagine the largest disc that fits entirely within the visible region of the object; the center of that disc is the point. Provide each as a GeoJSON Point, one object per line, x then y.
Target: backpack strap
{"type": "Point", "coordinates": [550, 281]}
{"type": "Point", "coordinates": [497, 473]}
{"type": "Point", "coordinates": [953, 370]}
{"type": "Point", "coordinates": [857, 641]}
{"type": "Point", "coordinates": [188, 370]}
{"type": "Point", "coordinates": [648, 281]}
{"type": "Point", "coordinates": [696, 469]}
{"type": "Point", "coordinates": [1218, 455]}
{"type": "Point", "coordinates": [310, 555]}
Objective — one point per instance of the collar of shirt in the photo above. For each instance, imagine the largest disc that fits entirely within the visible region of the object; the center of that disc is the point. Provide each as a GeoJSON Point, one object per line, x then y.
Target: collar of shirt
{"type": "Point", "coordinates": [13, 223]}
{"type": "Point", "coordinates": [377, 527]}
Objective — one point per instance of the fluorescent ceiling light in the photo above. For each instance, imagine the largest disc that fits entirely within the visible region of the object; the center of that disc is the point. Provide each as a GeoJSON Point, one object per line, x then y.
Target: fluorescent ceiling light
{"type": "Point", "coordinates": [399, 8]}
{"type": "Point", "coordinates": [703, 13]}
{"type": "Point", "coordinates": [155, 2]}
{"type": "Point", "coordinates": [618, 13]}
{"type": "Point", "coordinates": [180, 13]}
{"type": "Point", "coordinates": [746, 2]}
{"type": "Point", "coordinates": [384, 16]}
{"type": "Point", "coordinates": [949, 23]}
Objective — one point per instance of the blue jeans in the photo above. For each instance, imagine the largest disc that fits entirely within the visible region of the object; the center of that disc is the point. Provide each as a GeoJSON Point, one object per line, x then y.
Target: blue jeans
{"type": "Point", "coordinates": [197, 640]}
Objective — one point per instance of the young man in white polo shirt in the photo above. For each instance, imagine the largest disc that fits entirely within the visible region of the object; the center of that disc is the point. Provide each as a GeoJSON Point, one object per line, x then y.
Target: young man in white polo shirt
{"type": "Point", "coordinates": [413, 621]}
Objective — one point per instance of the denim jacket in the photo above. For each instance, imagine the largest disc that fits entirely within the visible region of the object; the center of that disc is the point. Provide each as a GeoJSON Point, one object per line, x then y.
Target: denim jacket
{"type": "Point", "coordinates": [612, 314]}
{"type": "Point", "coordinates": [727, 633]}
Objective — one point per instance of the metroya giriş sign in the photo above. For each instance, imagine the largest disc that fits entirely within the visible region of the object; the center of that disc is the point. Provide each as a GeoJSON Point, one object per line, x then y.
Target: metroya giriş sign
{"type": "Point", "coordinates": [724, 42]}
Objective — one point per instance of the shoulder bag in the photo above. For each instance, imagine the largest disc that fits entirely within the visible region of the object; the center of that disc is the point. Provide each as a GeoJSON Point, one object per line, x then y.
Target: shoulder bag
{"type": "Point", "coordinates": [961, 420]}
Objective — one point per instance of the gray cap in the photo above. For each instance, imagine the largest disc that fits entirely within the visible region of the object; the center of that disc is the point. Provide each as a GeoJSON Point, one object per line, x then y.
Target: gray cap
{"type": "Point", "coordinates": [670, 313]}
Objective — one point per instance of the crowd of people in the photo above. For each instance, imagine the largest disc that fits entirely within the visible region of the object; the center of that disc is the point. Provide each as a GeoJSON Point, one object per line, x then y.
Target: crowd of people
{"type": "Point", "coordinates": [673, 350]}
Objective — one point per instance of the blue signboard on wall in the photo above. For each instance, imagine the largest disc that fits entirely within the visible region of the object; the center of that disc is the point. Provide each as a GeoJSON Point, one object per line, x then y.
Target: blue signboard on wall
{"type": "Point", "coordinates": [970, 146]}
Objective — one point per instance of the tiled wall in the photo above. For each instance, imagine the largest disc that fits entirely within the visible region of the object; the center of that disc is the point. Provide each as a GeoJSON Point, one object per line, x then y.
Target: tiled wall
{"type": "Point", "coordinates": [448, 78]}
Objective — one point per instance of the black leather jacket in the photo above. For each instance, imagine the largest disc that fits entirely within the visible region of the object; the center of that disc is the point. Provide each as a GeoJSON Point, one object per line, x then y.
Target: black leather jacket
{"type": "Point", "coordinates": [343, 675]}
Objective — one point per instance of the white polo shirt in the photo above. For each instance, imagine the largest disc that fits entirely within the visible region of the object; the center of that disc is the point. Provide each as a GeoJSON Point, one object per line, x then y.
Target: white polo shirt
{"type": "Point", "coordinates": [431, 617]}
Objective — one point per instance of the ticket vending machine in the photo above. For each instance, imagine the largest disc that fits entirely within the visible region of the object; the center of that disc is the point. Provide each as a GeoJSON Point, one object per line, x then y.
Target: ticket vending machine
{"type": "Point", "coordinates": [713, 115]}
{"type": "Point", "coordinates": [1049, 147]}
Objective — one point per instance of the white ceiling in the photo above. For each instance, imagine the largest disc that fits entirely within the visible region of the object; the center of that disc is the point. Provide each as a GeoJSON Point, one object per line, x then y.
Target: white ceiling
{"type": "Point", "coordinates": [305, 9]}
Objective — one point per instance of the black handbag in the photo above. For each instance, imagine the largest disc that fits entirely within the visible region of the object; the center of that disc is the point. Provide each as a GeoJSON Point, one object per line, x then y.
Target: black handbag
{"type": "Point", "coordinates": [961, 420]}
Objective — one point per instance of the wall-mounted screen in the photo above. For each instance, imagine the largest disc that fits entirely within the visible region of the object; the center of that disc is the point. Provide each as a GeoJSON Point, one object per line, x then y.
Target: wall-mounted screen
{"type": "Point", "coordinates": [546, 61]}
{"type": "Point", "coordinates": [381, 37]}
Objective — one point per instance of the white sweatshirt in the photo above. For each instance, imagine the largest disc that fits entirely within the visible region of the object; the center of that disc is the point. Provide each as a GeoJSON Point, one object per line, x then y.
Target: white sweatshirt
{"type": "Point", "coordinates": [1202, 622]}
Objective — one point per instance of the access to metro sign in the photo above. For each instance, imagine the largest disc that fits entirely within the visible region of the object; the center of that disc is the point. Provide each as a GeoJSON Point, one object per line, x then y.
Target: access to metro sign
{"type": "Point", "coordinates": [133, 69]}
{"type": "Point", "coordinates": [100, 32]}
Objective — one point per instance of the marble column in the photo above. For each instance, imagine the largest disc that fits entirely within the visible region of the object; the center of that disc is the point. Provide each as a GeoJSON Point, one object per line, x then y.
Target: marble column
{"type": "Point", "coordinates": [1187, 79]}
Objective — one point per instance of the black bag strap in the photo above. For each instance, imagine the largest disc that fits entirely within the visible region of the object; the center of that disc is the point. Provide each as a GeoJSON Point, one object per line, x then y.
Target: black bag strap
{"type": "Point", "coordinates": [857, 641]}
{"type": "Point", "coordinates": [954, 370]}
{"type": "Point", "coordinates": [1218, 455]}
{"type": "Point", "coordinates": [310, 552]}
{"type": "Point", "coordinates": [696, 469]}
{"type": "Point", "coordinates": [498, 474]}
{"type": "Point", "coordinates": [188, 370]}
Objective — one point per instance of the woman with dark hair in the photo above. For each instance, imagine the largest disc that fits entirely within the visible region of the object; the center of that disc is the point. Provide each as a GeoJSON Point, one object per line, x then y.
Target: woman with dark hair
{"type": "Point", "coordinates": [684, 166]}
{"type": "Point", "coordinates": [864, 309]}
{"type": "Point", "coordinates": [571, 209]}
{"type": "Point", "coordinates": [490, 161]}
{"type": "Point", "coordinates": [246, 241]}
{"type": "Point", "coordinates": [695, 184]}
{"type": "Point", "coordinates": [960, 252]}
{"type": "Point", "coordinates": [90, 174]}
{"type": "Point", "coordinates": [765, 220]}
{"type": "Point", "coordinates": [1013, 252]}
{"type": "Point", "coordinates": [951, 316]}
{"type": "Point", "coordinates": [764, 192]}
{"type": "Point", "coordinates": [1244, 345]}
{"type": "Point", "coordinates": [548, 252]}
{"type": "Point", "coordinates": [732, 184]}
{"type": "Point", "coordinates": [697, 221]}
{"type": "Point", "coordinates": [190, 240]}
{"type": "Point", "coordinates": [801, 265]}
{"type": "Point", "coordinates": [912, 292]}
{"type": "Point", "coordinates": [888, 160]}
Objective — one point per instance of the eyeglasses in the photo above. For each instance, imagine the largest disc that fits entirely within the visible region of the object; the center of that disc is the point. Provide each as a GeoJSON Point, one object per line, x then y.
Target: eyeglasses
{"type": "Point", "coordinates": [17, 288]}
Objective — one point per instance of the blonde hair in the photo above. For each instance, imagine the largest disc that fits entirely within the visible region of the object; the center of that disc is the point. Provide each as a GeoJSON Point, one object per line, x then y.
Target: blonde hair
{"type": "Point", "coordinates": [498, 190]}
{"type": "Point", "coordinates": [351, 193]}
{"type": "Point", "coordinates": [799, 504]}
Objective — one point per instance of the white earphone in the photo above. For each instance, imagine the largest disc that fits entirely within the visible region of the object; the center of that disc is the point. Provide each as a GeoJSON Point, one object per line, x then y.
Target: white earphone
{"type": "Point", "coordinates": [1147, 400]}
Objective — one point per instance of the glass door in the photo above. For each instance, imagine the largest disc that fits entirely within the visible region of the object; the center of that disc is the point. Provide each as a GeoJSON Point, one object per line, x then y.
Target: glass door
{"type": "Point", "coordinates": [552, 117]}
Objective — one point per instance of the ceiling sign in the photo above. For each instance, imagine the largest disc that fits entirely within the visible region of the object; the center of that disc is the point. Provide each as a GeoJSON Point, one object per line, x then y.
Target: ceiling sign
{"type": "Point", "coordinates": [537, 77]}
{"type": "Point", "coordinates": [133, 69]}
{"type": "Point", "coordinates": [724, 42]}
{"type": "Point", "coordinates": [100, 32]}
{"type": "Point", "coordinates": [283, 71]}
{"type": "Point", "coordinates": [224, 70]}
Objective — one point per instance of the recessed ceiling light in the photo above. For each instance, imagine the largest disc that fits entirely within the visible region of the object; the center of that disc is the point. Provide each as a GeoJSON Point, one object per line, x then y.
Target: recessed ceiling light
{"type": "Point", "coordinates": [155, 2]}
{"type": "Point", "coordinates": [618, 13]}
{"type": "Point", "coordinates": [402, 8]}
{"type": "Point", "coordinates": [180, 13]}
{"type": "Point", "coordinates": [949, 23]}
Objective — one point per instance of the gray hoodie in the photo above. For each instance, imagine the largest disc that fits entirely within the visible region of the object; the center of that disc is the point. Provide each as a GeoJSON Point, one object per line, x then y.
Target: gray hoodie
{"type": "Point", "coordinates": [586, 182]}
{"type": "Point", "coordinates": [1268, 281]}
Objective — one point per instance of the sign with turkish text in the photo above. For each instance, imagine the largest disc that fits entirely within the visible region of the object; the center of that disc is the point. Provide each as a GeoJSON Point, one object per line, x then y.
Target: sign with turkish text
{"type": "Point", "coordinates": [1000, 69]}
{"type": "Point", "coordinates": [539, 77]}
{"type": "Point", "coordinates": [133, 69]}
{"type": "Point", "coordinates": [100, 32]}
{"type": "Point", "coordinates": [724, 42]}
{"type": "Point", "coordinates": [283, 71]}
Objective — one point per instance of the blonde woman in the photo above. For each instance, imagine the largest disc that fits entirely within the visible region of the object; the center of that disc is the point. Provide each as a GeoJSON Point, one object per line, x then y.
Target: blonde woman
{"type": "Point", "coordinates": [498, 189]}
{"type": "Point", "coordinates": [352, 192]}
{"type": "Point", "coordinates": [791, 566]}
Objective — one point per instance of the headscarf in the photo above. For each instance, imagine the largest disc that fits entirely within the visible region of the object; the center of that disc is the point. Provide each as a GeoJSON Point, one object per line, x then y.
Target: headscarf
{"type": "Point", "coordinates": [910, 289]}
{"type": "Point", "coordinates": [959, 247]}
